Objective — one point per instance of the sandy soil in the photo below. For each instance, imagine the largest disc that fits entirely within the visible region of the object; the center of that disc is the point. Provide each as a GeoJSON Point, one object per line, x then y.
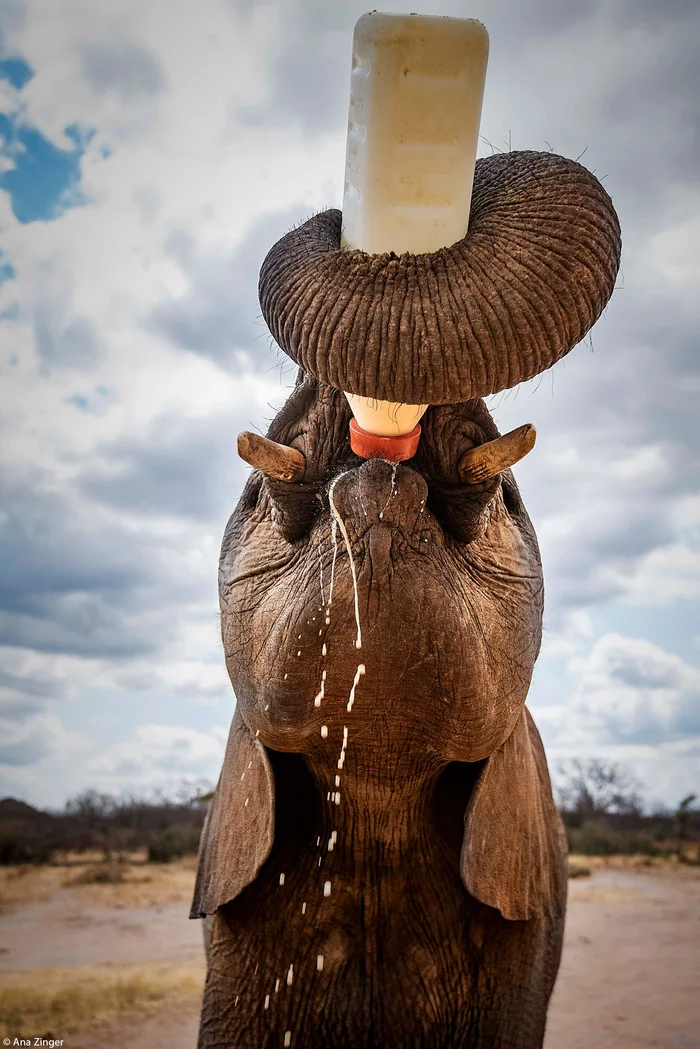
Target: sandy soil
{"type": "Point", "coordinates": [629, 975]}
{"type": "Point", "coordinates": [630, 971]}
{"type": "Point", "coordinates": [64, 932]}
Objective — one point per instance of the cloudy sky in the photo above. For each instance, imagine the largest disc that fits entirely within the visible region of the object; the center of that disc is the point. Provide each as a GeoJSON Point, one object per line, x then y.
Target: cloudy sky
{"type": "Point", "coordinates": [150, 154]}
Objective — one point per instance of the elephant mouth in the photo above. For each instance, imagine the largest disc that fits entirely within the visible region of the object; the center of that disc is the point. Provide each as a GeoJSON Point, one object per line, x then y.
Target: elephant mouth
{"type": "Point", "coordinates": [479, 463]}
{"type": "Point", "coordinates": [281, 462]}
{"type": "Point", "coordinates": [455, 487]}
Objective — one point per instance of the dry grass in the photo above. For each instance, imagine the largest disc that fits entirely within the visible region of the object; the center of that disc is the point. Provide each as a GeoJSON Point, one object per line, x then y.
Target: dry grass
{"type": "Point", "coordinates": [67, 1000]}
{"type": "Point", "coordinates": [596, 891]}
{"type": "Point", "coordinates": [655, 864]}
{"type": "Point", "coordinates": [585, 892]}
{"type": "Point", "coordinates": [130, 884]}
{"type": "Point", "coordinates": [100, 874]}
{"type": "Point", "coordinates": [147, 885]}
{"type": "Point", "coordinates": [136, 883]}
{"type": "Point", "coordinates": [23, 885]}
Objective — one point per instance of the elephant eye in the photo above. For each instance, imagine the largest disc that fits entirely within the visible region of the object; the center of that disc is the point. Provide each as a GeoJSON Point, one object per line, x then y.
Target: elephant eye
{"type": "Point", "coordinates": [294, 506]}
{"type": "Point", "coordinates": [511, 496]}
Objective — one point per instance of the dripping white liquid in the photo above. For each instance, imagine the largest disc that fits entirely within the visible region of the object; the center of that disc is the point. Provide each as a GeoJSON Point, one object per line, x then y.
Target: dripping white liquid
{"type": "Point", "coordinates": [346, 539]}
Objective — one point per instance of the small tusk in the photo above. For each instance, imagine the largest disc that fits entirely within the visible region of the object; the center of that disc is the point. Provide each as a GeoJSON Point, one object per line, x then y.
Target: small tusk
{"type": "Point", "coordinates": [487, 460]}
{"type": "Point", "coordinates": [275, 460]}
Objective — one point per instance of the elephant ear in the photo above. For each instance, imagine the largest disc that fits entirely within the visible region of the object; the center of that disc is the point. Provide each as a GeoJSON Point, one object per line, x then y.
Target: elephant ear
{"type": "Point", "coordinates": [514, 850]}
{"type": "Point", "coordinates": [240, 824]}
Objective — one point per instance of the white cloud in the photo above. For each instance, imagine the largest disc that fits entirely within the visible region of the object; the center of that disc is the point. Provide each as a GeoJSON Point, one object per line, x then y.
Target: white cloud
{"type": "Point", "coordinates": [666, 772]}
{"type": "Point", "coordinates": [38, 737]}
{"type": "Point", "coordinates": [633, 703]}
{"type": "Point", "coordinates": [628, 690]}
{"type": "Point", "coordinates": [674, 250]}
{"type": "Point", "coordinates": [573, 629]}
{"type": "Point", "coordinates": [631, 688]}
{"type": "Point", "coordinates": [160, 756]}
{"type": "Point", "coordinates": [9, 98]}
{"type": "Point", "coordinates": [193, 679]}
{"type": "Point", "coordinates": [206, 121]}
{"type": "Point", "coordinates": [664, 575]}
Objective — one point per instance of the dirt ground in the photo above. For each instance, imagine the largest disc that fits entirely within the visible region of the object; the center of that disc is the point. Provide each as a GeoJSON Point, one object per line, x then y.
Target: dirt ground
{"type": "Point", "coordinates": [629, 978]}
{"type": "Point", "coordinates": [630, 972]}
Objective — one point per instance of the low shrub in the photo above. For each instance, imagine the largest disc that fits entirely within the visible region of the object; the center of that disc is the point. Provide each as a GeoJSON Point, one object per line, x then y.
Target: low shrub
{"type": "Point", "coordinates": [594, 838]}
{"type": "Point", "coordinates": [22, 843]}
{"type": "Point", "coordinates": [100, 874]}
{"type": "Point", "coordinates": [599, 838]}
{"type": "Point", "coordinates": [643, 843]}
{"type": "Point", "coordinates": [172, 843]}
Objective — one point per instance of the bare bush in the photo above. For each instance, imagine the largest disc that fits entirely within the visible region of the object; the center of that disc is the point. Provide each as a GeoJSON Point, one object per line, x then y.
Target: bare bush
{"type": "Point", "coordinates": [594, 788]}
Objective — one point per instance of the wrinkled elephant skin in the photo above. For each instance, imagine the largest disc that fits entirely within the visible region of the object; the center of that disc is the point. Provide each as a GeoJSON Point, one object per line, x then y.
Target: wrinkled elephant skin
{"type": "Point", "coordinates": [383, 864]}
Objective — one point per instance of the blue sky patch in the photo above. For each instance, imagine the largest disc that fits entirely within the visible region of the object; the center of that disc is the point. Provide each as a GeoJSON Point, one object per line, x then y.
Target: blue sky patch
{"type": "Point", "coordinates": [45, 179]}
{"type": "Point", "coordinates": [17, 71]}
{"type": "Point", "coordinates": [94, 403]}
{"type": "Point", "coordinates": [7, 271]}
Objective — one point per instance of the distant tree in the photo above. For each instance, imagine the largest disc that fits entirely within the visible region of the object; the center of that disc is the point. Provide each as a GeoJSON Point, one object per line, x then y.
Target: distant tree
{"type": "Point", "coordinates": [683, 817]}
{"type": "Point", "coordinates": [595, 788]}
{"type": "Point", "coordinates": [93, 812]}
{"type": "Point", "coordinates": [191, 793]}
{"type": "Point", "coordinates": [90, 807]}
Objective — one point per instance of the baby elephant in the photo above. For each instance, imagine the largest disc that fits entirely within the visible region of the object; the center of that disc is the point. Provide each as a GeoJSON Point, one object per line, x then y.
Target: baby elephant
{"type": "Point", "coordinates": [383, 863]}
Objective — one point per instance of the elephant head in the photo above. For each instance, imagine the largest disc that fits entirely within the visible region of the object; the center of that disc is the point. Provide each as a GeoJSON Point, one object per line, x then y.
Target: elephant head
{"type": "Point", "coordinates": [382, 621]}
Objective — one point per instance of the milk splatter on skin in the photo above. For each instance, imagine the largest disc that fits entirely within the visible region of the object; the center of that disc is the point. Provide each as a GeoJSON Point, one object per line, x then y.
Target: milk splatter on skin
{"type": "Point", "coordinates": [358, 674]}
{"type": "Point", "coordinates": [334, 796]}
{"type": "Point", "coordinates": [338, 523]}
{"type": "Point", "coordinates": [320, 566]}
{"type": "Point", "coordinates": [341, 759]}
{"type": "Point", "coordinates": [393, 491]}
{"type": "Point", "coordinates": [334, 537]}
{"type": "Point", "coordinates": [321, 693]}
{"type": "Point", "coordinates": [327, 603]}
{"type": "Point", "coordinates": [346, 539]}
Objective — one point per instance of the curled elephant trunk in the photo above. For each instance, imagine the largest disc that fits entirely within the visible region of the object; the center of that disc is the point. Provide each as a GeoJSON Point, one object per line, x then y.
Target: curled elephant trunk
{"type": "Point", "coordinates": [530, 278]}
